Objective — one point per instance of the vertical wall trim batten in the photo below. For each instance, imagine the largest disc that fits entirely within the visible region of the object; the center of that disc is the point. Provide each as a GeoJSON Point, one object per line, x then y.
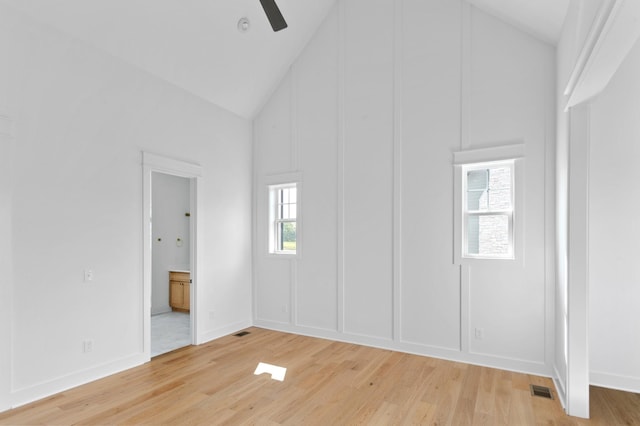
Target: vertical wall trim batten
{"type": "Point", "coordinates": [6, 263]}
{"type": "Point", "coordinates": [340, 168]}
{"type": "Point", "coordinates": [549, 221]}
{"type": "Point", "coordinates": [293, 295]}
{"type": "Point", "coordinates": [294, 165]}
{"type": "Point", "coordinates": [465, 112]}
{"type": "Point", "coordinates": [465, 307]}
{"type": "Point", "coordinates": [397, 168]}
{"type": "Point", "coordinates": [465, 76]}
{"type": "Point", "coordinates": [578, 263]}
{"type": "Point", "coordinates": [254, 219]}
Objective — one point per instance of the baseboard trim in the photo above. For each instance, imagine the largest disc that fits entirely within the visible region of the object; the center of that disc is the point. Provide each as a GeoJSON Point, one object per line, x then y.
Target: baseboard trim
{"type": "Point", "coordinates": [613, 381]}
{"type": "Point", "coordinates": [518, 366]}
{"type": "Point", "coordinates": [44, 389]}
{"type": "Point", "coordinates": [161, 310]}
{"type": "Point", "coordinates": [222, 331]}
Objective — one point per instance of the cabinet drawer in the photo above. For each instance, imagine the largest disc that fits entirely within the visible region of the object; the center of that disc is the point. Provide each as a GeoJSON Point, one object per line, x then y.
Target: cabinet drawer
{"type": "Point", "coordinates": [179, 276]}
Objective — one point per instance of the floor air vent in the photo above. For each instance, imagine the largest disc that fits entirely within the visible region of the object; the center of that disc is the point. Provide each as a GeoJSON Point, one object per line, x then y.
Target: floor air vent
{"type": "Point", "coordinates": [541, 391]}
{"type": "Point", "coordinates": [242, 333]}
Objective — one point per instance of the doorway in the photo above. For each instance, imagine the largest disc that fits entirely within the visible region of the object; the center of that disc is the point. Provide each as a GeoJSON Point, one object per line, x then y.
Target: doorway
{"type": "Point", "coordinates": [170, 263]}
{"type": "Point", "coordinates": [170, 215]}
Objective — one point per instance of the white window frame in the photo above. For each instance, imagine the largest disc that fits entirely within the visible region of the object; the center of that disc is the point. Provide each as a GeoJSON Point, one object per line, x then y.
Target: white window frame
{"type": "Point", "coordinates": [275, 237]}
{"type": "Point", "coordinates": [466, 213]}
{"type": "Point", "coordinates": [481, 157]}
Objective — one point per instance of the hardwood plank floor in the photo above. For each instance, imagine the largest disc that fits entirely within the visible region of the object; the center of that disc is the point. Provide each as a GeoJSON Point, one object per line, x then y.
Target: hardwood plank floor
{"type": "Point", "coordinates": [327, 383]}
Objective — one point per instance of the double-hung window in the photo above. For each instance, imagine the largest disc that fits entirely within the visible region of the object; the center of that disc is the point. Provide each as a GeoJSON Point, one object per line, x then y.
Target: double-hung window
{"type": "Point", "coordinates": [284, 212]}
{"type": "Point", "coordinates": [488, 200]}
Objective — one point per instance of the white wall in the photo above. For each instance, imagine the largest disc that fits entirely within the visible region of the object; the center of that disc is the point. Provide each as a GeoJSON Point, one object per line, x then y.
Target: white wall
{"type": "Point", "coordinates": [574, 197]}
{"type": "Point", "coordinates": [81, 121]}
{"type": "Point", "coordinates": [170, 201]}
{"type": "Point", "coordinates": [370, 116]}
{"type": "Point", "coordinates": [614, 231]}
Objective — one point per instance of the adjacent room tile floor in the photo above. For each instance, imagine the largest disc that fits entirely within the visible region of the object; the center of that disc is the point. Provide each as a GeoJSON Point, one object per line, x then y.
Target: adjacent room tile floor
{"type": "Point", "coordinates": [169, 331]}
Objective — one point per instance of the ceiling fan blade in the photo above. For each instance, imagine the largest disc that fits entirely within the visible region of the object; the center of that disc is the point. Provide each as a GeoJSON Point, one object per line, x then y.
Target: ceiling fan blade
{"type": "Point", "coordinates": [273, 14]}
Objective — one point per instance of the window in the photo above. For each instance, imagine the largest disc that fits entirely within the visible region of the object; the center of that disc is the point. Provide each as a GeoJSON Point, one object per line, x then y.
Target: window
{"type": "Point", "coordinates": [488, 199]}
{"type": "Point", "coordinates": [284, 213]}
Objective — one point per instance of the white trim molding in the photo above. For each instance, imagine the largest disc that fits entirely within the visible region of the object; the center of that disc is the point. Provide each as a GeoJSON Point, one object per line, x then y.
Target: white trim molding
{"type": "Point", "coordinates": [614, 32]}
{"type": "Point", "coordinates": [265, 185]}
{"type": "Point", "coordinates": [578, 264]}
{"type": "Point", "coordinates": [158, 163]}
{"type": "Point", "coordinates": [41, 390]}
{"type": "Point", "coordinates": [487, 155]}
{"type": "Point", "coordinates": [507, 151]}
{"type": "Point", "coordinates": [614, 381]}
{"type": "Point", "coordinates": [172, 166]}
{"type": "Point", "coordinates": [6, 261]}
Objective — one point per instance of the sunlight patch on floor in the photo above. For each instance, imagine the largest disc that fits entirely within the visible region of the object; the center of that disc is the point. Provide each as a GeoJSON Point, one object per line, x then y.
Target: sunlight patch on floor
{"type": "Point", "coordinates": [277, 373]}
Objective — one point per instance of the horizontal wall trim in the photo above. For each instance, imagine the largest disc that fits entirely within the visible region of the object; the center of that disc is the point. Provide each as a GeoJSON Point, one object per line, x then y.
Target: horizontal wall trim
{"type": "Point", "coordinates": [281, 178]}
{"type": "Point", "coordinates": [613, 381]}
{"type": "Point", "coordinates": [272, 321]}
{"type": "Point", "coordinates": [434, 347]}
{"type": "Point", "coordinates": [421, 350]}
{"type": "Point", "coordinates": [41, 390]}
{"type": "Point", "coordinates": [483, 354]}
{"type": "Point", "coordinates": [367, 336]}
{"type": "Point", "coordinates": [318, 329]}
{"type": "Point", "coordinates": [507, 151]}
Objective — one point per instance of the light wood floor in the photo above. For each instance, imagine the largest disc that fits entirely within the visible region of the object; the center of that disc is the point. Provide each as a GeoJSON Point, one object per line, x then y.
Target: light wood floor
{"type": "Point", "coordinates": [327, 383]}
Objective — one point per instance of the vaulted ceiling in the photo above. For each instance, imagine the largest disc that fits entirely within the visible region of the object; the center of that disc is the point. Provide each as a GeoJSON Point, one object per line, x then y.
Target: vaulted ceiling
{"type": "Point", "coordinates": [196, 45]}
{"type": "Point", "coordinates": [541, 18]}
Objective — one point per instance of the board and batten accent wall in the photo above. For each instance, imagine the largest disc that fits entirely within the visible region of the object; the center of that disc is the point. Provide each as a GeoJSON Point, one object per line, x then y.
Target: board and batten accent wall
{"type": "Point", "coordinates": [369, 117]}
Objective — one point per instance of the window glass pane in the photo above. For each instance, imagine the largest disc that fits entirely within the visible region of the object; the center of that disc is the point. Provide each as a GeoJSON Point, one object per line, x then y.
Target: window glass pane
{"type": "Point", "coordinates": [500, 199]}
{"type": "Point", "coordinates": [477, 180]}
{"type": "Point", "coordinates": [488, 235]}
{"type": "Point", "coordinates": [288, 236]}
{"type": "Point", "coordinates": [473, 235]}
{"type": "Point", "coordinates": [283, 207]}
{"type": "Point", "coordinates": [500, 188]}
{"type": "Point", "coordinates": [477, 200]}
{"type": "Point", "coordinates": [477, 185]}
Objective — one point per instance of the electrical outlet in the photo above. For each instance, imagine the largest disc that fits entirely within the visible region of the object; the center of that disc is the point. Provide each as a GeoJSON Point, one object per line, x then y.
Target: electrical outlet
{"type": "Point", "coordinates": [479, 333]}
{"type": "Point", "coordinates": [88, 275]}
{"type": "Point", "coordinates": [87, 346]}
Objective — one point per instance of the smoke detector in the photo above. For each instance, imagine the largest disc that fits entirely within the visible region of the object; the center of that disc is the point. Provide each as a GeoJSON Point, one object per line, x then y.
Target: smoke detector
{"type": "Point", "coordinates": [243, 25]}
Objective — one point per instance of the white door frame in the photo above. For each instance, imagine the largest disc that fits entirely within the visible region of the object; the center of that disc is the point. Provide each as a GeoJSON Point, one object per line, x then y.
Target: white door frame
{"type": "Point", "coordinates": [157, 163]}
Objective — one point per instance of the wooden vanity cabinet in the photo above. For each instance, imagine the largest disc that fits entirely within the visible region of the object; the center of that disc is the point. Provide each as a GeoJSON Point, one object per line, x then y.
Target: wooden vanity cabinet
{"type": "Point", "coordinates": [179, 291]}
